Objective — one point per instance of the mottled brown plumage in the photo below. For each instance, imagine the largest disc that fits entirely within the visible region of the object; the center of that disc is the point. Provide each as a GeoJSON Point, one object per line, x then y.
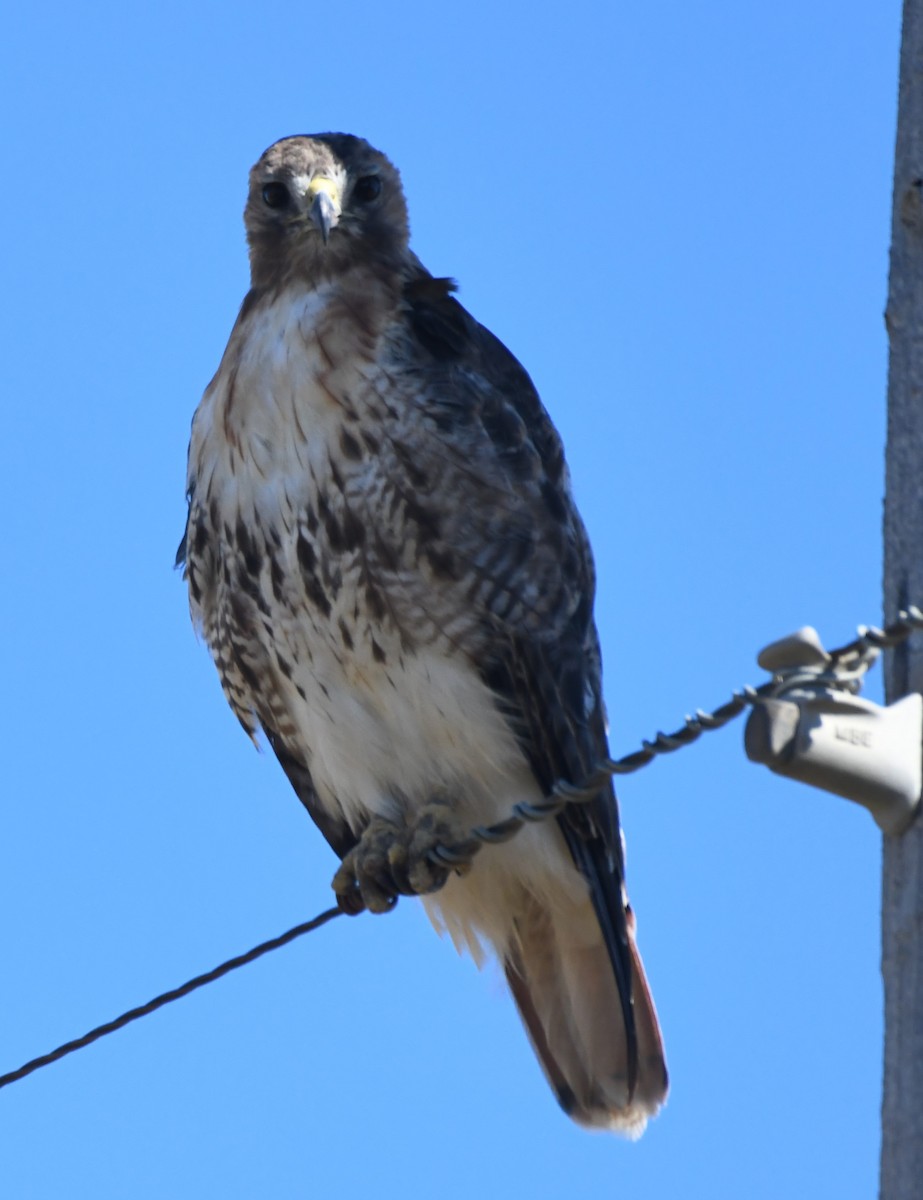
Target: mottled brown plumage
{"type": "Point", "coordinates": [387, 564]}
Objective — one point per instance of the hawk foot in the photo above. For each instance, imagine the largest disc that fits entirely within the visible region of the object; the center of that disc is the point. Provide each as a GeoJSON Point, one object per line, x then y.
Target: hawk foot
{"type": "Point", "coordinates": [393, 859]}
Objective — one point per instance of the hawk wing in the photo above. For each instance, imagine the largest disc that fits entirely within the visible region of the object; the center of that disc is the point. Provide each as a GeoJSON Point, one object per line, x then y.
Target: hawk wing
{"type": "Point", "coordinates": [540, 651]}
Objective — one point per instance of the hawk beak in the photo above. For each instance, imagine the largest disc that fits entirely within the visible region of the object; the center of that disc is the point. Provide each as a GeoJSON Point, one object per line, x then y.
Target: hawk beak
{"type": "Point", "coordinates": [325, 205]}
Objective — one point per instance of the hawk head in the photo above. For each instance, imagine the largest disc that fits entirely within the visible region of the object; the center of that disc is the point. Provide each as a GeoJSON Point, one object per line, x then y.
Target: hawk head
{"type": "Point", "coordinates": [320, 204]}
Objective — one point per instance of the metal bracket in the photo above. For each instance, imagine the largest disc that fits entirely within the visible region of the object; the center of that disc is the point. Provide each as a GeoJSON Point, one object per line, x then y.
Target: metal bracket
{"type": "Point", "coordinates": [812, 725]}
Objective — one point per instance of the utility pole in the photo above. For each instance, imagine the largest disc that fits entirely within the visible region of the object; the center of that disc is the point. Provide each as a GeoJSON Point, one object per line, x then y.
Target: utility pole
{"type": "Point", "coordinates": [902, 890]}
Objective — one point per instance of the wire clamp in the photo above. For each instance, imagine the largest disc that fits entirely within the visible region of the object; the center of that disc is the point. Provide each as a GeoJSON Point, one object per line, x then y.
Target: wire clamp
{"type": "Point", "coordinates": [811, 724]}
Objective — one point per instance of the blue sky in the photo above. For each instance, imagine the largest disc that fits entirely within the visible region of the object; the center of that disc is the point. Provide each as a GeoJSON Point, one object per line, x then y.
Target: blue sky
{"type": "Point", "coordinates": [677, 217]}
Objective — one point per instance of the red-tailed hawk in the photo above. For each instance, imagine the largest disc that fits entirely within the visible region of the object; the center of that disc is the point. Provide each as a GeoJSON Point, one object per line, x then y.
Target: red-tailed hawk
{"type": "Point", "coordinates": [387, 564]}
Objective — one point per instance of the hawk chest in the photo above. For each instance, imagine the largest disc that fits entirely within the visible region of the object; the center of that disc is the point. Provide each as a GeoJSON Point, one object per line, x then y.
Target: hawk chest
{"type": "Point", "coordinates": [311, 582]}
{"type": "Point", "coordinates": [282, 476]}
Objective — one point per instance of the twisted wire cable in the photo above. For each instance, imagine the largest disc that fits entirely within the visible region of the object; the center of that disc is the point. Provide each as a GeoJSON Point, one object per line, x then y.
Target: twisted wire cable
{"type": "Point", "coordinates": [847, 664]}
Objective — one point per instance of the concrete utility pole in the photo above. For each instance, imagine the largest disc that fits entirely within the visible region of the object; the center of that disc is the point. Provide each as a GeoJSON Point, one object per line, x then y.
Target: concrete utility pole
{"type": "Point", "coordinates": [902, 898]}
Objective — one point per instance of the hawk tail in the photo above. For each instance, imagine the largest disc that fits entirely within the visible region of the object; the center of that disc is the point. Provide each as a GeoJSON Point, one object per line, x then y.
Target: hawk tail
{"type": "Point", "coordinates": [560, 973]}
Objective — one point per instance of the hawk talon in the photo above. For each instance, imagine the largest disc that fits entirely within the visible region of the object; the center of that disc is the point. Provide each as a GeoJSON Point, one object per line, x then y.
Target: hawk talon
{"type": "Point", "coordinates": [349, 900]}
{"type": "Point", "coordinates": [364, 877]}
{"type": "Point", "coordinates": [392, 860]}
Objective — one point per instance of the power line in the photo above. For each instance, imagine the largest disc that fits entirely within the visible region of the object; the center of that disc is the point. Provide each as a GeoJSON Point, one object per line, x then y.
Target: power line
{"type": "Point", "coordinates": [845, 663]}
{"type": "Point", "coordinates": [135, 1014]}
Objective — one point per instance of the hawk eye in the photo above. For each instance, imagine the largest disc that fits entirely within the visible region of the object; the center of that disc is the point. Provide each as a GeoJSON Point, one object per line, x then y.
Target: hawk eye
{"type": "Point", "coordinates": [367, 189]}
{"type": "Point", "coordinates": [275, 195]}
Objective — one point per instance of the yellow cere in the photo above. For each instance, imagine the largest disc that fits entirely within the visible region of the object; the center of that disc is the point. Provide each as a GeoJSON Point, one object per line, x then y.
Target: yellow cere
{"type": "Point", "coordinates": [321, 184]}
